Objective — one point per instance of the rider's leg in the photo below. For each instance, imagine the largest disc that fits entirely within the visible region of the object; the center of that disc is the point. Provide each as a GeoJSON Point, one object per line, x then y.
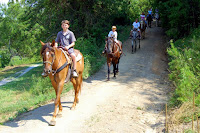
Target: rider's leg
{"type": "Point", "coordinates": [139, 33]}
{"type": "Point", "coordinates": [104, 51]}
{"type": "Point", "coordinates": [74, 73]}
{"type": "Point", "coordinates": [120, 47]}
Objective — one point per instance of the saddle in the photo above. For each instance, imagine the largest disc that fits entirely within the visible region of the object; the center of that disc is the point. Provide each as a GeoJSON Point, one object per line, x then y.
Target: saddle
{"type": "Point", "coordinates": [68, 57]}
{"type": "Point", "coordinates": [70, 62]}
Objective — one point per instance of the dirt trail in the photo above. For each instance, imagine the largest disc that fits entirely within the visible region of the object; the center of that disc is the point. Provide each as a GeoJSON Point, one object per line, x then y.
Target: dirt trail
{"type": "Point", "coordinates": [132, 103]}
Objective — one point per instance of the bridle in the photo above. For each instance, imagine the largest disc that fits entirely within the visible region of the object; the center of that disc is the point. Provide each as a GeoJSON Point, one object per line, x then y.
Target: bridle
{"type": "Point", "coordinates": [51, 63]}
{"type": "Point", "coordinates": [57, 69]}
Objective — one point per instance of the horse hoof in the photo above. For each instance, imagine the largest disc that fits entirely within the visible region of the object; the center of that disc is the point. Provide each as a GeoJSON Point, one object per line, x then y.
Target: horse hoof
{"type": "Point", "coordinates": [52, 123]}
{"type": "Point", "coordinates": [72, 108]}
{"type": "Point", "coordinates": [59, 115]}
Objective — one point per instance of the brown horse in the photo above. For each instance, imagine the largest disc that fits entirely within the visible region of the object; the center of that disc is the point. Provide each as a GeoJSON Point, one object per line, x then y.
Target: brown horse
{"type": "Point", "coordinates": [57, 67]}
{"type": "Point", "coordinates": [113, 55]}
{"type": "Point", "coordinates": [143, 27]}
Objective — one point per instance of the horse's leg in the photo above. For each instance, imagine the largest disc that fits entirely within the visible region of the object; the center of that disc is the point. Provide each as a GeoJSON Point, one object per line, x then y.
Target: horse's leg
{"type": "Point", "coordinates": [132, 45]}
{"type": "Point", "coordinates": [139, 44]}
{"type": "Point", "coordinates": [117, 66]}
{"type": "Point", "coordinates": [114, 69]}
{"type": "Point", "coordinates": [135, 45]}
{"type": "Point", "coordinates": [58, 90]}
{"type": "Point", "coordinates": [80, 85]}
{"type": "Point", "coordinates": [76, 87]}
{"type": "Point", "coordinates": [108, 64]}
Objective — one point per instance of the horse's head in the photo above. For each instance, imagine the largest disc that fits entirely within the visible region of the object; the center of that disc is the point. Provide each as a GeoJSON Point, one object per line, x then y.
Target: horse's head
{"type": "Point", "coordinates": [48, 55]}
{"type": "Point", "coordinates": [142, 24]}
{"type": "Point", "coordinates": [110, 43]}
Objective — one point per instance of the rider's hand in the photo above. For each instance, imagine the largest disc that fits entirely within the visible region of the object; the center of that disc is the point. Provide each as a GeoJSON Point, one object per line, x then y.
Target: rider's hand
{"type": "Point", "coordinates": [66, 47]}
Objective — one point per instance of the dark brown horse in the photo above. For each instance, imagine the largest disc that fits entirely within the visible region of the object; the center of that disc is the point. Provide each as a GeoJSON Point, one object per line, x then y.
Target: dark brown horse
{"type": "Point", "coordinates": [57, 67]}
{"type": "Point", "coordinates": [113, 55]}
{"type": "Point", "coordinates": [143, 27]}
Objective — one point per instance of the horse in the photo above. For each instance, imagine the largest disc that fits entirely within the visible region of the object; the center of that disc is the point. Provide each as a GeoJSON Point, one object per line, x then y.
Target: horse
{"type": "Point", "coordinates": [142, 28]}
{"type": "Point", "coordinates": [57, 66]}
{"type": "Point", "coordinates": [135, 36]}
{"type": "Point", "coordinates": [149, 19]}
{"type": "Point", "coordinates": [157, 19]}
{"type": "Point", "coordinates": [113, 55]}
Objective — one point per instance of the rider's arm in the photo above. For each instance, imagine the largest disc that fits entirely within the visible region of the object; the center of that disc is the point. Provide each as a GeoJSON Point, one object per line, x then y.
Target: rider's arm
{"type": "Point", "coordinates": [69, 46]}
{"type": "Point", "coordinates": [110, 34]}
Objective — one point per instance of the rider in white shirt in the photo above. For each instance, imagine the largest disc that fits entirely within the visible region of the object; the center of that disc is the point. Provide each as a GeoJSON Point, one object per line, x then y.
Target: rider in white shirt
{"type": "Point", "coordinates": [113, 33]}
{"type": "Point", "coordinates": [136, 25]}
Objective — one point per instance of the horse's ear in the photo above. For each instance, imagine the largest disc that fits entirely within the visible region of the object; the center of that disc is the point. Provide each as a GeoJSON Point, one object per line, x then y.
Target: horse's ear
{"type": "Point", "coordinates": [106, 38]}
{"type": "Point", "coordinates": [53, 43]}
{"type": "Point", "coordinates": [42, 43]}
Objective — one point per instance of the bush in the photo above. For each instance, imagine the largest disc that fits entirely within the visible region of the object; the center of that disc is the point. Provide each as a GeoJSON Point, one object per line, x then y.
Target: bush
{"type": "Point", "coordinates": [4, 58]}
{"type": "Point", "coordinates": [185, 69]}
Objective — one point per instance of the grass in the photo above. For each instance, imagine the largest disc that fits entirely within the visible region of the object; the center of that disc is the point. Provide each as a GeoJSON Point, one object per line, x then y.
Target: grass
{"type": "Point", "coordinates": [10, 71]}
{"type": "Point", "coordinates": [28, 92]}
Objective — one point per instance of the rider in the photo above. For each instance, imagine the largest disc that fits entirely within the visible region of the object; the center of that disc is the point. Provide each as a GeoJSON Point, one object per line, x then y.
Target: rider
{"type": "Point", "coordinates": [142, 17]}
{"type": "Point", "coordinates": [113, 33]}
{"type": "Point", "coordinates": [150, 11]}
{"type": "Point", "coordinates": [149, 19]}
{"type": "Point", "coordinates": [67, 40]}
{"type": "Point", "coordinates": [136, 25]}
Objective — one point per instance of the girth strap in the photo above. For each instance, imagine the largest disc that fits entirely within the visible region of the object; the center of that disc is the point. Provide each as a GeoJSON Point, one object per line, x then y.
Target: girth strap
{"type": "Point", "coordinates": [62, 67]}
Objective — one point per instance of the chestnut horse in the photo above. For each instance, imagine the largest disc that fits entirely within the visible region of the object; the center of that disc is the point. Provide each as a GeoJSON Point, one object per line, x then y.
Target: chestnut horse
{"type": "Point", "coordinates": [113, 55]}
{"type": "Point", "coordinates": [57, 68]}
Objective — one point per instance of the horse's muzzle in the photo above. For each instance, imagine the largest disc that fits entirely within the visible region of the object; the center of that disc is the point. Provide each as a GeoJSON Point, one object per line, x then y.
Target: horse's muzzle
{"type": "Point", "coordinates": [47, 72]}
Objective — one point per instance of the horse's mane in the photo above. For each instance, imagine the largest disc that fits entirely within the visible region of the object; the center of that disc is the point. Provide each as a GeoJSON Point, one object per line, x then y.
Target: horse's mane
{"type": "Point", "coordinates": [47, 45]}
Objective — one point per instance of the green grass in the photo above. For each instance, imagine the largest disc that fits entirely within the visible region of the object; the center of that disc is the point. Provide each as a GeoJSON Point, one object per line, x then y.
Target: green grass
{"type": "Point", "coordinates": [10, 71]}
{"type": "Point", "coordinates": [28, 92]}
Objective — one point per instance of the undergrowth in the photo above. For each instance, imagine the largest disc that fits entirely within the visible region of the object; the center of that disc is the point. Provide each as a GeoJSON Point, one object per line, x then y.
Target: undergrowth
{"type": "Point", "coordinates": [185, 73]}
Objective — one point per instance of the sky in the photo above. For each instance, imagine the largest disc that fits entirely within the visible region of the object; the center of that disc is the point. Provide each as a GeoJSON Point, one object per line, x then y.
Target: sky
{"type": "Point", "coordinates": [3, 1]}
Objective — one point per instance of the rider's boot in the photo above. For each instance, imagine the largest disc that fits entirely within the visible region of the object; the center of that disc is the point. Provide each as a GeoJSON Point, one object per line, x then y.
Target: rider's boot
{"type": "Point", "coordinates": [74, 74]}
{"type": "Point", "coordinates": [104, 51]}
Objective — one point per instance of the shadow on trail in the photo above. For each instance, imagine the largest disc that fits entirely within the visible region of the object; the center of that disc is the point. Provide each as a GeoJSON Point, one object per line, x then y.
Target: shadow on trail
{"type": "Point", "coordinates": [39, 114]}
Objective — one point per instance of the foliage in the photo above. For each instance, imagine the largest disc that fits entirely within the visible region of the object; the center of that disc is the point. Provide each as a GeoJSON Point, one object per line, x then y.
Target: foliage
{"type": "Point", "coordinates": [17, 35]}
{"type": "Point", "coordinates": [4, 57]}
{"type": "Point", "coordinates": [185, 68]}
{"type": "Point", "coordinates": [24, 23]}
{"type": "Point", "coordinates": [178, 17]}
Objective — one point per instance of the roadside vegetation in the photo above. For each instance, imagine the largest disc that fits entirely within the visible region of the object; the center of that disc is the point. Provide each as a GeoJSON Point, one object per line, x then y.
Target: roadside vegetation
{"type": "Point", "coordinates": [180, 19]}
{"type": "Point", "coordinates": [185, 74]}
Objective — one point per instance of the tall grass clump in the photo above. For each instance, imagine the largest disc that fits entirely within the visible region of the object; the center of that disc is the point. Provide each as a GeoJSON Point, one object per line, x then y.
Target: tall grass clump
{"type": "Point", "coordinates": [185, 70]}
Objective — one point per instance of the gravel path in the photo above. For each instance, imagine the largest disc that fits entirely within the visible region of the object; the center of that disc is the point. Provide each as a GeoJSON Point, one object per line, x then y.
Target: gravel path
{"type": "Point", "coordinates": [132, 103]}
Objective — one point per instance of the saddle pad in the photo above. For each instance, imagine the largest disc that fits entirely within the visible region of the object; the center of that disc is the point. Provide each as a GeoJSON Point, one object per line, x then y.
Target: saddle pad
{"type": "Point", "coordinates": [78, 55]}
